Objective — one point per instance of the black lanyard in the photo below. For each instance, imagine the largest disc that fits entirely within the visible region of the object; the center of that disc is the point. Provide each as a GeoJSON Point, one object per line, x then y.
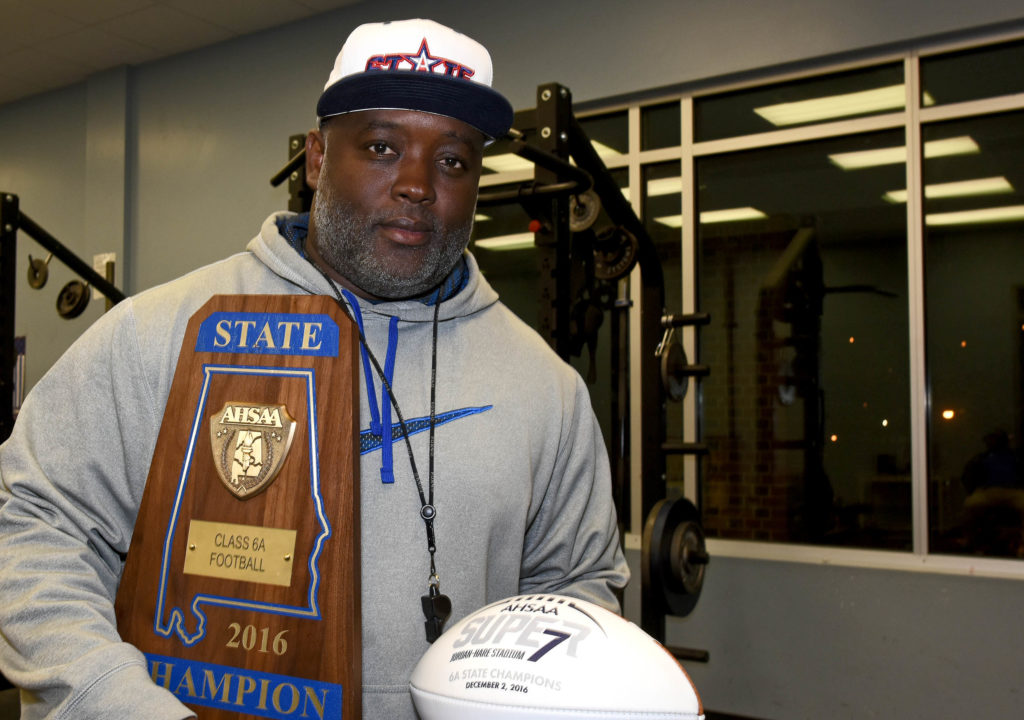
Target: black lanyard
{"type": "Point", "coordinates": [436, 607]}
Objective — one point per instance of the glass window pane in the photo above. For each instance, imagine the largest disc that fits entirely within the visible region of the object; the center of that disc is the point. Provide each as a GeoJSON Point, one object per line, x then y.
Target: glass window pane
{"type": "Point", "coordinates": [972, 74]}
{"type": "Point", "coordinates": [608, 133]}
{"type": "Point", "coordinates": [660, 126]}
{"type": "Point", "coordinates": [503, 245]}
{"type": "Point", "coordinates": [499, 158]}
{"type": "Point", "coordinates": [802, 267]}
{"type": "Point", "coordinates": [662, 213]}
{"type": "Point", "coordinates": [974, 241]}
{"type": "Point", "coordinates": [802, 102]}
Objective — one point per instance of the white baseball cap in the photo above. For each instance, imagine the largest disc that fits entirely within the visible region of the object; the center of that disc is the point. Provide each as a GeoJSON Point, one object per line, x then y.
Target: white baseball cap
{"type": "Point", "coordinates": [416, 65]}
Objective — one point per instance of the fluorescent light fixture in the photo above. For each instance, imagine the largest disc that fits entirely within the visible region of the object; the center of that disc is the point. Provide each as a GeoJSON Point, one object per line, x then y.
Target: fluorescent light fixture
{"type": "Point", "coordinates": [665, 186]}
{"type": "Point", "coordinates": [1007, 213]}
{"type": "Point", "coordinates": [480, 217]}
{"type": "Point", "coordinates": [604, 151]}
{"type": "Point", "coordinates": [830, 107]}
{"type": "Point", "coordinates": [661, 186]}
{"type": "Point", "coordinates": [714, 216]}
{"type": "Point", "coordinates": [506, 162]}
{"type": "Point", "coordinates": [961, 188]}
{"type": "Point", "coordinates": [963, 145]}
{"type": "Point", "coordinates": [730, 215]}
{"type": "Point", "coordinates": [519, 241]}
{"type": "Point", "coordinates": [510, 162]}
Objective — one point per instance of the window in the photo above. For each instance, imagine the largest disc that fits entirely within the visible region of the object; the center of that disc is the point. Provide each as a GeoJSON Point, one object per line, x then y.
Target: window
{"type": "Point", "coordinates": [974, 249]}
{"type": "Point", "coordinates": [866, 342]}
{"type": "Point", "coordinates": [803, 270]}
{"type": "Point", "coordinates": [973, 74]}
{"type": "Point", "coordinates": [798, 103]}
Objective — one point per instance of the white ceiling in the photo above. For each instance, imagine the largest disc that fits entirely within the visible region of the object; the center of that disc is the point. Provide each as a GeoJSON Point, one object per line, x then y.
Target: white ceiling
{"type": "Point", "coordinates": [46, 44]}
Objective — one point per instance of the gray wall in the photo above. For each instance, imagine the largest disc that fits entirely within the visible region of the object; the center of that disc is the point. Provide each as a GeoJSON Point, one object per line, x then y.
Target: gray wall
{"type": "Point", "coordinates": [167, 164]}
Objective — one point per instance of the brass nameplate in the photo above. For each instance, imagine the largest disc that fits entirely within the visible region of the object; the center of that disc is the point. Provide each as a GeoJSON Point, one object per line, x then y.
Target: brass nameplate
{"type": "Point", "coordinates": [240, 552]}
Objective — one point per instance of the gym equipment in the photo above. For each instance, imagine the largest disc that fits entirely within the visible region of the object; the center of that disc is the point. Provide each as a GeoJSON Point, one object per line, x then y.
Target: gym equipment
{"type": "Point", "coordinates": [38, 271]}
{"type": "Point", "coordinates": [73, 299]}
{"type": "Point", "coordinates": [676, 370]}
{"type": "Point", "coordinates": [70, 303]}
{"type": "Point", "coordinates": [674, 557]}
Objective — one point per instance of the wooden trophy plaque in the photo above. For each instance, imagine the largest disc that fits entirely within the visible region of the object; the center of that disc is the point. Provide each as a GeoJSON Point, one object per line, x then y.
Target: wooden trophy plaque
{"type": "Point", "coordinates": [241, 585]}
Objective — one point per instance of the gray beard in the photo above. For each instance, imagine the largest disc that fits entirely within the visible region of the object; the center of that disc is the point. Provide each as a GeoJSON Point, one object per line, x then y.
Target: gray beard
{"type": "Point", "coordinates": [346, 243]}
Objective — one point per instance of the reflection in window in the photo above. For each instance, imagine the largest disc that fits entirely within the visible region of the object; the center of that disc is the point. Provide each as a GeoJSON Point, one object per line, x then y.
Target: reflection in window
{"type": "Point", "coordinates": [802, 102]}
{"type": "Point", "coordinates": [803, 270]}
{"type": "Point", "coordinates": [973, 74]}
{"type": "Point", "coordinates": [974, 243]}
{"type": "Point", "coordinates": [660, 126]}
{"type": "Point", "coordinates": [608, 133]}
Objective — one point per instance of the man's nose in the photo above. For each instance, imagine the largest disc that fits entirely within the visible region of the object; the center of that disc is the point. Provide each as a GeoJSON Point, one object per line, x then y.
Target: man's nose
{"type": "Point", "coordinates": [415, 180]}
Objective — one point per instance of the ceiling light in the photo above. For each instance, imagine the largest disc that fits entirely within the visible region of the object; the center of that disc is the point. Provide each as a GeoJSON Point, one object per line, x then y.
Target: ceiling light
{"type": "Point", "coordinates": [963, 145]}
{"type": "Point", "coordinates": [480, 217]}
{"type": "Point", "coordinates": [665, 186]}
{"type": "Point", "coordinates": [730, 215]}
{"type": "Point", "coordinates": [661, 186]}
{"type": "Point", "coordinates": [961, 188]}
{"type": "Point", "coordinates": [672, 221]}
{"type": "Point", "coordinates": [510, 162]}
{"type": "Point", "coordinates": [506, 162]}
{"type": "Point", "coordinates": [829, 107]}
{"type": "Point", "coordinates": [604, 151]}
{"type": "Point", "coordinates": [1008, 213]}
{"type": "Point", "coordinates": [519, 241]}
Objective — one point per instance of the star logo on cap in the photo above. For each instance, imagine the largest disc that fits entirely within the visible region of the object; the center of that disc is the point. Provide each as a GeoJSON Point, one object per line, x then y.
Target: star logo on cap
{"type": "Point", "coordinates": [423, 61]}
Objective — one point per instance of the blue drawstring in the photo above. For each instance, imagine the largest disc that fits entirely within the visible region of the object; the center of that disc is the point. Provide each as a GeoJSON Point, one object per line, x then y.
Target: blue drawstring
{"type": "Point", "coordinates": [380, 420]}
{"type": "Point", "coordinates": [387, 468]}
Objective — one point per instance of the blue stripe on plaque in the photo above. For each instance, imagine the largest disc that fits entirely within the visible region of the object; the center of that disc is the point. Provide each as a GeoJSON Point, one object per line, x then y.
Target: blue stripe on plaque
{"type": "Point", "coordinates": [245, 691]}
{"type": "Point", "coordinates": [269, 334]}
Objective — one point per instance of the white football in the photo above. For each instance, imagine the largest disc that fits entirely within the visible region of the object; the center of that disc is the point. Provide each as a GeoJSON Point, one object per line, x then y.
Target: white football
{"type": "Point", "coordinates": [549, 656]}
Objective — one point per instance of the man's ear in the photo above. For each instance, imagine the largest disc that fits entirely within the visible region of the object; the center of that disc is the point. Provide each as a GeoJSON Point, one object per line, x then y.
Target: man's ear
{"type": "Point", "coordinates": [314, 157]}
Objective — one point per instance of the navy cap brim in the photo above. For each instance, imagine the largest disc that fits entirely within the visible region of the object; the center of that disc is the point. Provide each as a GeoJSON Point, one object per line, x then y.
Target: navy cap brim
{"type": "Point", "coordinates": [474, 104]}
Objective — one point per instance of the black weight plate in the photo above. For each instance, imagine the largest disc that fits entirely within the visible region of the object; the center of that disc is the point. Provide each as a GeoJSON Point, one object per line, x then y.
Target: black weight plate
{"type": "Point", "coordinates": [689, 557]}
{"type": "Point", "coordinates": [615, 253]}
{"type": "Point", "coordinates": [583, 210]}
{"type": "Point", "coordinates": [673, 525]}
{"type": "Point", "coordinates": [73, 299]}
{"type": "Point", "coordinates": [674, 379]}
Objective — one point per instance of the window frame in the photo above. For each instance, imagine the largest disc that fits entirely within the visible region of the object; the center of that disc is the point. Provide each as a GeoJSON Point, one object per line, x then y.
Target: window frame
{"type": "Point", "coordinates": [910, 120]}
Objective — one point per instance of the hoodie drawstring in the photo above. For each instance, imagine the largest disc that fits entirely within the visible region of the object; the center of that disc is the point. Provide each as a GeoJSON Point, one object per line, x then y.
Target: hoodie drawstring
{"type": "Point", "coordinates": [380, 419]}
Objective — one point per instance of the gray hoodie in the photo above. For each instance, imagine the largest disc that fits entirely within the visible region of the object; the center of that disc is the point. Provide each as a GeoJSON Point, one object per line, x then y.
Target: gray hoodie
{"type": "Point", "coordinates": [522, 485]}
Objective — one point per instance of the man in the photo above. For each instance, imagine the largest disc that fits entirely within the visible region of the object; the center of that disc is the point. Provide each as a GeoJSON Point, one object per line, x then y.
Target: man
{"type": "Point", "coordinates": [522, 491]}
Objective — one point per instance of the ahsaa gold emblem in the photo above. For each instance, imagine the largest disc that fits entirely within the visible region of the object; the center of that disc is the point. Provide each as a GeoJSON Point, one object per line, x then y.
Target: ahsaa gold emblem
{"type": "Point", "coordinates": [250, 442]}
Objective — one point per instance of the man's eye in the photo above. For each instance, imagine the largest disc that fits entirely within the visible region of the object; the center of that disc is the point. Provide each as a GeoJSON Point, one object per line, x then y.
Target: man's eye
{"type": "Point", "coordinates": [452, 162]}
{"type": "Point", "coordinates": [380, 148]}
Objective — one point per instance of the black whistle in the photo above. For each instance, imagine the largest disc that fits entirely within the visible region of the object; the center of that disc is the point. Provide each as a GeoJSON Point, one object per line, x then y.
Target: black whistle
{"type": "Point", "coordinates": [436, 608]}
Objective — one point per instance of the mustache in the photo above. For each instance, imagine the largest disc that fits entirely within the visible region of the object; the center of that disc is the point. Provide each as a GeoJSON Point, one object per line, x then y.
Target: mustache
{"type": "Point", "coordinates": [418, 221]}
{"type": "Point", "coordinates": [410, 218]}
